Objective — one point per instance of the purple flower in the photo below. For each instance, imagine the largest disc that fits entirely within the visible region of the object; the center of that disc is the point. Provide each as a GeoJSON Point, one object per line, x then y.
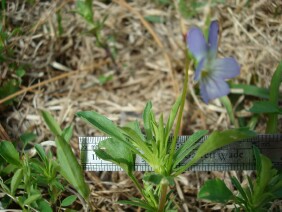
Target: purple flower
{"type": "Point", "coordinates": [211, 72]}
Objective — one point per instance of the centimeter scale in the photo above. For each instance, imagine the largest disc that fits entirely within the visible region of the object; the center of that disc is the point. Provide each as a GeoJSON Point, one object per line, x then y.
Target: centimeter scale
{"type": "Point", "coordinates": [236, 156]}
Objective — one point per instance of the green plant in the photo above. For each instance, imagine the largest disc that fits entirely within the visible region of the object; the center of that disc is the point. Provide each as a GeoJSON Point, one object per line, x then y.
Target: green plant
{"type": "Point", "coordinates": [267, 187]}
{"type": "Point", "coordinates": [38, 183]}
{"type": "Point", "coordinates": [271, 107]}
{"type": "Point", "coordinates": [257, 196]}
{"type": "Point", "coordinates": [22, 179]}
{"type": "Point", "coordinates": [157, 146]}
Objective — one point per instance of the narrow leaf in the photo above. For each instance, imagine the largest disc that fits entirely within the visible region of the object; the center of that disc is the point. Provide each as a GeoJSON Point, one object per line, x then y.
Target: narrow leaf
{"type": "Point", "coordinates": [238, 186]}
{"type": "Point", "coordinates": [161, 134]}
{"type": "Point", "coordinates": [16, 180]}
{"type": "Point", "coordinates": [215, 141]}
{"type": "Point", "coordinates": [264, 107]}
{"type": "Point", "coordinates": [172, 116]}
{"type": "Point", "coordinates": [257, 159]}
{"type": "Point", "coordinates": [188, 146]}
{"type": "Point", "coordinates": [102, 123]}
{"type": "Point", "coordinates": [51, 123]}
{"type": "Point", "coordinates": [250, 90]}
{"type": "Point", "coordinates": [40, 151]}
{"type": "Point", "coordinates": [147, 120]}
{"type": "Point", "coordinates": [138, 203]}
{"type": "Point", "coordinates": [138, 142]}
{"type": "Point", "coordinates": [272, 123]}
{"type": "Point", "coordinates": [136, 127]}
{"type": "Point", "coordinates": [250, 184]}
{"type": "Point", "coordinates": [67, 133]}
{"type": "Point", "coordinates": [219, 139]}
{"type": "Point", "coordinates": [70, 168]}
{"type": "Point", "coordinates": [31, 199]}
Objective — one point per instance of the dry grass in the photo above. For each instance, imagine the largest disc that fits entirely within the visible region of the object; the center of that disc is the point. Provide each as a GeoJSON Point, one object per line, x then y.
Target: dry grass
{"type": "Point", "coordinates": [63, 73]}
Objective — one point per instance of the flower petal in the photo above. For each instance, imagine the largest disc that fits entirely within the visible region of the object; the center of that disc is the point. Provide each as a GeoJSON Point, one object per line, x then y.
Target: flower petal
{"type": "Point", "coordinates": [212, 88]}
{"type": "Point", "coordinates": [199, 69]}
{"type": "Point", "coordinates": [225, 68]}
{"type": "Point", "coordinates": [196, 43]}
{"type": "Point", "coordinates": [213, 36]}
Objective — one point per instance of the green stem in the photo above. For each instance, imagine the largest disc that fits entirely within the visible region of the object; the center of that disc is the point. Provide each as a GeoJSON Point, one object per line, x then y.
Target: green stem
{"type": "Point", "coordinates": [162, 201]}
{"type": "Point", "coordinates": [253, 122]}
{"type": "Point", "coordinates": [137, 184]}
{"type": "Point", "coordinates": [179, 118]}
{"type": "Point", "coordinates": [272, 122]}
{"type": "Point", "coordinates": [227, 104]}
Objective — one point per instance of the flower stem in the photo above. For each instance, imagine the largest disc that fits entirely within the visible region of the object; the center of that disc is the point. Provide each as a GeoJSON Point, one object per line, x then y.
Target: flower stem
{"type": "Point", "coordinates": [179, 118]}
{"type": "Point", "coordinates": [163, 197]}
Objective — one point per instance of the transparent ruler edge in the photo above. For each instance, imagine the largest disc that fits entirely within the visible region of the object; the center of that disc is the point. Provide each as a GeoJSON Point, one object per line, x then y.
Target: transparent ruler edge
{"type": "Point", "coordinates": [236, 156]}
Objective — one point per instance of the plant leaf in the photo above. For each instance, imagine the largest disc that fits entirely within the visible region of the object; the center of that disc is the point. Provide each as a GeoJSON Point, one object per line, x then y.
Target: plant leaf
{"type": "Point", "coordinates": [215, 191]}
{"type": "Point", "coordinates": [147, 120]}
{"type": "Point", "coordinates": [250, 90]}
{"type": "Point", "coordinates": [28, 137]}
{"type": "Point", "coordinates": [172, 116]}
{"type": "Point", "coordinates": [51, 123]}
{"type": "Point", "coordinates": [31, 199]}
{"type": "Point", "coordinates": [139, 203]}
{"type": "Point", "coordinates": [102, 123]}
{"type": "Point", "coordinates": [264, 176]}
{"type": "Point", "coordinates": [16, 180]}
{"type": "Point", "coordinates": [156, 179]}
{"type": "Point", "coordinates": [84, 8]}
{"type": "Point", "coordinates": [67, 133]}
{"type": "Point", "coordinates": [117, 152]}
{"type": "Point", "coordinates": [136, 127]}
{"type": "Point", "coordinates": [238, 186]}
{"type": "Point", "coordinates": [70, 168]}
{"type": "Point", "coordinates": [272, 123]}
{"type": "Point", "coordinates": [9, 153]}
{"type": "Point", "coordinates": [68, 200]}
{"type": "Point", "coordinates": [219, 139]}
{"type": "Point", "coordinates": [188, 146]}
{"type": "Point", "coordinates": [138, 143]}
{"type": "Point", "coordinates": [40, 151]}
{"type": "Point", "coordinates": [265, 107]}
{"type": "Point", "coordinates": [215, 141]}
{"type": "Point", "coordinates": [44, 206]}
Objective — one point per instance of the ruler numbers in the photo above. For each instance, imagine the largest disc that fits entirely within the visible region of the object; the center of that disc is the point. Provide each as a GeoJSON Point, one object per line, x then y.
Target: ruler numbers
{"type": "Point", "coordinates": [236, 156]}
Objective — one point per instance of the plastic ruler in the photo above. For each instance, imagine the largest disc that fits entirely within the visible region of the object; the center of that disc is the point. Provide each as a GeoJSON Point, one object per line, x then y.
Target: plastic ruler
{"type": "Point", "coordinates": [236, 156]}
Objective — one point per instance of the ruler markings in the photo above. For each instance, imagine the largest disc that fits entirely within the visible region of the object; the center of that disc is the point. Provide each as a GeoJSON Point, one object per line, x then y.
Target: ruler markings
{"type": "Point", "coordinates": [236, 156]}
